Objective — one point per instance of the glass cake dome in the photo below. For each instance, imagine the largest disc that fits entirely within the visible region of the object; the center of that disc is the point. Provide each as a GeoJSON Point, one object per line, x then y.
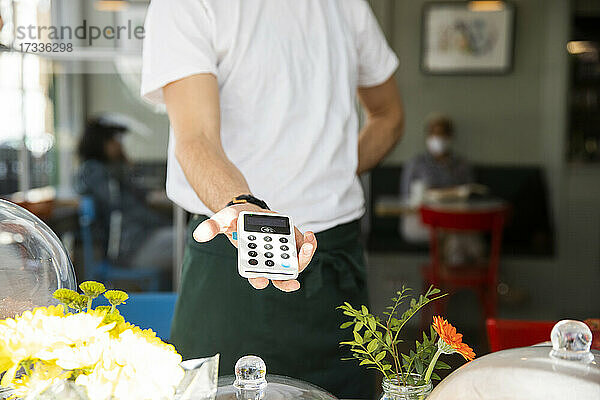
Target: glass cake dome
{"type": "Point", "coordinates": [565, 369]}
{"type": "Point", "coordinates": [252, 383]}
{"type": "Point", "coordinates": [33, 262]}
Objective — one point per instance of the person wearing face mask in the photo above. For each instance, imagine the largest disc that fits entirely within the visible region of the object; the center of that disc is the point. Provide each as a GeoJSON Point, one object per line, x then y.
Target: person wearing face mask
{"type": "Point", "coordinates": [439, 170]}
{"type": "Point", "coordinates": [439, 174]}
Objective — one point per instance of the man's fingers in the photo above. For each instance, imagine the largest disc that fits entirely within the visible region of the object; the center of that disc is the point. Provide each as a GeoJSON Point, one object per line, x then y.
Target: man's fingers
{"type": "Point", "coordinates": [226, 218]}
{"type": "Point", "coordinates": [207, 230]}
{"type": "Point", "coordinates": [259, 283]}
{"type": "Point", "coordinates": [299, 238]}
{"type": "Point", "coordinates": [287, 286]}
{"type": "Point", "coordinates": [307, 250]}
{"type": "Point", "coordinates": [222, 222]}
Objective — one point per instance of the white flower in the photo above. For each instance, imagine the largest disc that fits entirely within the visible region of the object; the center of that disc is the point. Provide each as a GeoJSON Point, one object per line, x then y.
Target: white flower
{"type": "Point", "coordinates": [112, 362]}
{"type": "Point", "coordinates": [134, 366]}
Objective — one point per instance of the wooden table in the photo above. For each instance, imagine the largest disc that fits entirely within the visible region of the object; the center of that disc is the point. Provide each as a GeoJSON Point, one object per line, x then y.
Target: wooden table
{"type": "Point", "coordinates": [391, 206]}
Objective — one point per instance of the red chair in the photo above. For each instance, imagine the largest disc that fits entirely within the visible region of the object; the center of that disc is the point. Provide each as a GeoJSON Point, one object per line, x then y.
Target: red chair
{"type": "Point", "coordinates": [509, 334]}
{"type": "Point", "coordinates": [483, 279]}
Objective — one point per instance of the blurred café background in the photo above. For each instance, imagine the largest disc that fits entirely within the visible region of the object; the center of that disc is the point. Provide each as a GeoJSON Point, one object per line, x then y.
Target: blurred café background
{"type": "Point", "coordinates": [523, 105]}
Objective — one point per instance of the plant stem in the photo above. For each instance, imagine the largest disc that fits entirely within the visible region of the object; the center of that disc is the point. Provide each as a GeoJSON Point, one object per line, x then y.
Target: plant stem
{"type": "Point", "coordinates": [89, 304]}
{"type": "Point", "coordinates": [415, 312]}
{"type": "Point", "coordinates": [432, 365]}
{"type": "Point", "coordinates": [397, 363]}
{"type": "Point", "coordinates": [399, 371]}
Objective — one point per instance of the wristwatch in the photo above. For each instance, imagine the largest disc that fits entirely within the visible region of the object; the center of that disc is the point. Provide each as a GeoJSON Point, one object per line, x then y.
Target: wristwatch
{"type": "Point", "coordinates": [248, 198]}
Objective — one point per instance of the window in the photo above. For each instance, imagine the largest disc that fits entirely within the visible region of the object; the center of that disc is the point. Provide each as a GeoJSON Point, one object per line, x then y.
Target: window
{"type": "Point", "coordinates": [26, 109]}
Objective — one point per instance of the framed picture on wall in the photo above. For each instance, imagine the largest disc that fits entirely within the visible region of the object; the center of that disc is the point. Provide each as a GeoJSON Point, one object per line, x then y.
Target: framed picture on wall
{"type": "Point", "coordinates": [471, 37]}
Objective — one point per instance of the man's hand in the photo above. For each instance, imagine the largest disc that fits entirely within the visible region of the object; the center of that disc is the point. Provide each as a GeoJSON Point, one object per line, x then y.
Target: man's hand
{"type": "Point", "coordinates": [225, 222]}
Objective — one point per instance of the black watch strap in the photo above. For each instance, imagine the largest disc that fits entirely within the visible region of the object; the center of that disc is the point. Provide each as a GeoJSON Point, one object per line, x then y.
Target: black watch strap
{"type": "Point", "coordinates": [248, 198]}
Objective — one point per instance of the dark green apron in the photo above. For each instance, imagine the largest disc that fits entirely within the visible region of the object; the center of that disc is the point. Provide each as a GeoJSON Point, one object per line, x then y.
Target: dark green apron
{"type": "Point", "coordinates": [297, 334]}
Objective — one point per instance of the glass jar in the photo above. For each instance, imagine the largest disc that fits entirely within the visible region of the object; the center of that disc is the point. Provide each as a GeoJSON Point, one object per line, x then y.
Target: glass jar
{"type": "Point", "coordinates": [393, 390]}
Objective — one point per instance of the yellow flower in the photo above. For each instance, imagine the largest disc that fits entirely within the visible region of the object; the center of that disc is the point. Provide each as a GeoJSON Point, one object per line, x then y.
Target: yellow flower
{"type": "Point", "coordinates": [116, 297]}
{"type": "Point", "coordinates": [65, 296]}
{"type": "Point", "coordinates": [110, 358]}
{"type": "Point", "coordinates": [92, 289]}
{"type": "Point", "coordinates": [47, 334]}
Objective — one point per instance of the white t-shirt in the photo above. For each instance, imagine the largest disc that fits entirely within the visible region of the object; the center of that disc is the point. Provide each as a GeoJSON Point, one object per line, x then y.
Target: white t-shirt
{"type": "Point", "coordinates": [288, 71]}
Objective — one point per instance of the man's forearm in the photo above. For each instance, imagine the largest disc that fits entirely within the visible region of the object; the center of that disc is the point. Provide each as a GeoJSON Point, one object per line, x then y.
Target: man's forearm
{"type": "Point", "coordinates": [215, 179]}
{"type": "Point", "coordinates": [194, 112]}
{"type": "Point", "coordinates": [377, 139]}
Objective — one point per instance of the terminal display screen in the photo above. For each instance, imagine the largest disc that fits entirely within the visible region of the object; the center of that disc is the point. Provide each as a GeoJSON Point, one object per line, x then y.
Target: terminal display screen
{"type": "Point", "coordinates": [267, 224]}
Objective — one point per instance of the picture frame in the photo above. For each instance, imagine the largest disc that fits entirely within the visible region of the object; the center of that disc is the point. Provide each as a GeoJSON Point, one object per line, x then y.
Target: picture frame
{"type": "Point", "coordinates": [467, 38]}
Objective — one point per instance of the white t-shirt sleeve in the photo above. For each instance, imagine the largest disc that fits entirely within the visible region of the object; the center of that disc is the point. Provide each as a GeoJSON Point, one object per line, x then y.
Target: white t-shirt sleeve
{"type": "Point", "coordinates": [179, 42]}
{"type": "Point", "coordinates": [377, 61]}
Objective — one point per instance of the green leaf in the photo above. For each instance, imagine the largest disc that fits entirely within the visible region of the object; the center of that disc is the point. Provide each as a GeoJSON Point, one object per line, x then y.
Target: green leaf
{"type": "Point", "coordinates": [364, 310]}
{"type": "Point", "coordinates": [380, 356]}
{"type": "Point", "coordinates": [357, 338]}
{"type": "Point", "coordinates": [372, 323]}
{"type": "Point", "coordinates": [346, 324]}
{"type": "Point", "coordinates": [435, 376]}
{"type": "Point", "coordinates": [366, 362]}
{"type": "Point", "coordinates": [419, 366]}
{"type": "Point", "coordinates": [359, 325]}
{"type": "Point", "coordinates": [372, 346]}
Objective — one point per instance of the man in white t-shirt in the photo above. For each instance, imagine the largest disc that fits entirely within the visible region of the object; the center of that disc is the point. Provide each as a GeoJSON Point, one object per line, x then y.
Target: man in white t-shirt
{"type": "Point", "coordinates": [261, 95]}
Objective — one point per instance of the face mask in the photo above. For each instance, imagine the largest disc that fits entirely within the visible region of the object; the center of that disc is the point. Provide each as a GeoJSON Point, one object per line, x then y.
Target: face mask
{"type": "Point", "coordinates": [437, 145]}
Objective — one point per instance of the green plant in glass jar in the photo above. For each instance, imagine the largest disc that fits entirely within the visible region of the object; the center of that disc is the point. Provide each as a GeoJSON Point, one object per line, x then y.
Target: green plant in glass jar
{"type": "Point", "coordinates": [375, 343]}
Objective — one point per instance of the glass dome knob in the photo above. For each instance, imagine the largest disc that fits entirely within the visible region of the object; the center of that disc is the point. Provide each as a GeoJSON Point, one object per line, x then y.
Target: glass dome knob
{"type": "Point", "coordinates": [571, 340]}
{"type": "Point", "coordinates": [250, 373]}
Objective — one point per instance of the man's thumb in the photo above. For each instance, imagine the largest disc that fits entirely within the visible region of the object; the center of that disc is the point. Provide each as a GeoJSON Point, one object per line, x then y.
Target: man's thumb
{"type": "Point", "coordinates": [207, 230]}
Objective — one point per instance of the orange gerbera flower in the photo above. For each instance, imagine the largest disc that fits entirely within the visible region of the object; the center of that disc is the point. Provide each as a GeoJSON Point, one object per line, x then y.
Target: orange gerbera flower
{"type": "Point", "coordinates": [452, 338]}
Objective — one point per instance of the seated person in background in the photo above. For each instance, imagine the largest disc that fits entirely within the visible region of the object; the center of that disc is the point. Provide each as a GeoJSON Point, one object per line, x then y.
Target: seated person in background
{"type": "Point", "coordinates": [439, 174]}
{"type": "Point", "coordinates": [438, 171]}
{"type": "Point", "coordinates": [134, 235]}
